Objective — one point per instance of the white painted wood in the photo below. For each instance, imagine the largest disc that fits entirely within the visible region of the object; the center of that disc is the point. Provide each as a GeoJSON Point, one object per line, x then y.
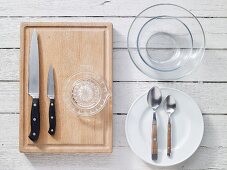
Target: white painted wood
{"type": "Point", "coordinates": [215, 29]}
{"type": "Point", "coordinates": [9, 64]}
{"type": "Point", "coordinates": [211, 154]}
{"type": "Point", "coordinates": [122, 158]}
{"type": "Point", "coordinates": [213, 67]}
{"type": "Point", "coordinates": [211, 97]}
{"type": "Point", "coordinates": [104, 7]}
{"type": "Point", "coordinates": [9, 93]}
{"type": "Point", "coordinates": [214, 132]}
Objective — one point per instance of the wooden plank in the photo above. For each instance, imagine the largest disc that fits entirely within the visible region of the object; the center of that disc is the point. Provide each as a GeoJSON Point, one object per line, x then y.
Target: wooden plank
{"type": "Point", "coordinates": [204, 8]}
{"type": "Point", "coordinates": [213, 67]}
{"type": "Point", "coordinates": [211, 97]}
{"type": "Point", "coordinates": [213, 151]}
{"type": "Point", "coordinates": [214, 133]}
{"type": "Point", "coordinates": [9, 93]}
{"type": "Point", "coordinates": [214, 141]}
{"type": "Point", "coordinates": [9, 64]}
{"type": "Point", "coordinates": [215, 29]}
{"type": "Point", "coordinates": [122, 158]}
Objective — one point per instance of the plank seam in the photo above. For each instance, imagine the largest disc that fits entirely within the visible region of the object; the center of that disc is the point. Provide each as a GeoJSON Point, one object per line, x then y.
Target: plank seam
{"type": "Point", "coordinates": [124, 114]}
{"type": "Point", "coordinates": [119, 48]}
{"type": "Point", "coordinates": [96, 16]}
{"type": "Point", "coordinates": [152, 81]}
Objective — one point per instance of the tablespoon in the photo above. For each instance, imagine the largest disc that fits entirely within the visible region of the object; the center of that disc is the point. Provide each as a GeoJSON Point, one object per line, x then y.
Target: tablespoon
{"type": "Point", "coordinates": [154, 99]}
{"type": "Point", "coordinates": [169, 106]}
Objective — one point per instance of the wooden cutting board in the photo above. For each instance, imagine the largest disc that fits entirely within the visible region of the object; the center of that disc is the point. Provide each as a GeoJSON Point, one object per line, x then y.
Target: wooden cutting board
{"type": "Point", "coordinates": [66, 46]}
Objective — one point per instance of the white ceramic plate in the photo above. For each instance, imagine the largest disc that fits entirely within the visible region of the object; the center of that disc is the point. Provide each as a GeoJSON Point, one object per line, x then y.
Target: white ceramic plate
{"type": "Point", "coordinates": [187, 129]}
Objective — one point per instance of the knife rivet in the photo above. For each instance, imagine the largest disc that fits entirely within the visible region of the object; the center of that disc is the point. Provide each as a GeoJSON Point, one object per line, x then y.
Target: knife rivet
{"type": "Point", "coordinates": [52, 104]}
{"type": "Point", "coordinates": [52, 117]}
{"type": "Point", "coordinates": [34, 104]}
{"type": "Point", "coordinates": [154, 139]}
{"type": "Point", "coordinates": [52, 130]}
{"type": "Point", "coordinates": [34, 119]}
{"type": "Point", "coordinates": [34, 134]}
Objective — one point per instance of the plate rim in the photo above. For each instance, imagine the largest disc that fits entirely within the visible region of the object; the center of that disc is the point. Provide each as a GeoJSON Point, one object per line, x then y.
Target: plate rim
{"type": "Point", "coordinates": [160, 165]}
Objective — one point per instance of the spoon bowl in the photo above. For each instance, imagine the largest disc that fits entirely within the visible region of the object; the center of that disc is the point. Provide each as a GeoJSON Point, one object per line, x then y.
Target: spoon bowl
{"type": "Point", "coordinates": [154, 97]}
{"type": "Point", "coordinates": [170, 105]}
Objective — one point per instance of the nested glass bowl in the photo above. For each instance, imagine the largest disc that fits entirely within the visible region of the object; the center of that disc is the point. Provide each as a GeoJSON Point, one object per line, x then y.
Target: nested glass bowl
{"type": "Point", "coordinates": [166, 42]}
{"type": "Point", "coordinates": [86, 93]}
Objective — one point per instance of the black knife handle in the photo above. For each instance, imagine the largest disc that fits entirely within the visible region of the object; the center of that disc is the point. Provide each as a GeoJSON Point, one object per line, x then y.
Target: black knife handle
{"type": "Point", "coordinates": [52, 118]}
{"type": "Point", "coordinates": [35, 120]}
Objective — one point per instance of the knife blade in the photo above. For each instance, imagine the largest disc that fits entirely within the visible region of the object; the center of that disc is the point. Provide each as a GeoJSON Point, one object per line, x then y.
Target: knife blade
{"type": "Point", "coordinates": [50, 94]}
{"type": "Point", "coordinates": [33, 87]}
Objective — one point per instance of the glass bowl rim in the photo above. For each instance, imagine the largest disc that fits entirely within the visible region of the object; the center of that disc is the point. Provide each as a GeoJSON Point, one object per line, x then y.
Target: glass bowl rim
{"type": "Point", "coordinates": [138, 36]}
{"type": "Point", "coordinates": [193, 16]}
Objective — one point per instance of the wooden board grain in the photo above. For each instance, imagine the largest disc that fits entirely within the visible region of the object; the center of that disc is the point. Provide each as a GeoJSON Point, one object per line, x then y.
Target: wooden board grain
{"type": "Point", "coordinates": [67, 46]}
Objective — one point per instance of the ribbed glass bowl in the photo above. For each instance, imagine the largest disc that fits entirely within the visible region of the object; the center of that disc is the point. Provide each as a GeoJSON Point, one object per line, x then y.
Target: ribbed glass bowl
{"type": "Point", "coordinates": [166, 42]}
{"type": "Point", "coordinates": [86, 93]}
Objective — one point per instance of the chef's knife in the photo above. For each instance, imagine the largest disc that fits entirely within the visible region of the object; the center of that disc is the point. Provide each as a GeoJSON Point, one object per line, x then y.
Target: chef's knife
{"type": "Point", "coordinates": [33, 87]}
{"type": "Point", "coordinates": [50, 94]}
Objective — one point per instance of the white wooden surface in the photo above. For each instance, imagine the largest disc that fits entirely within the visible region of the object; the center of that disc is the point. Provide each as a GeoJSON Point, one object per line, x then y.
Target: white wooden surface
{"type": "Point", "coordinates": [207, 85]}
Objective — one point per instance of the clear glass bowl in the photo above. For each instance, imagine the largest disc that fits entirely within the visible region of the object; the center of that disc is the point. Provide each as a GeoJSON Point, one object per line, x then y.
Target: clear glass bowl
{"type": "Point", "coordinates": [86, 93]}
{"type": "Point", "coordinates": [166, 42]}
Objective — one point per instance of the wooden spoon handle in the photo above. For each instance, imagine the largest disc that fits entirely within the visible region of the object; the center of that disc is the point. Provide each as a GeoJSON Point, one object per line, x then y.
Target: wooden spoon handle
{"type": "Point", "coordinates": [154, 139]}
{"type": "Point", "coordinates": [169, 139]}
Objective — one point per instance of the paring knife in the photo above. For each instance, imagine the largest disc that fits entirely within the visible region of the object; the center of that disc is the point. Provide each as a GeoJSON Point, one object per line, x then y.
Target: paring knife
{"type": "Point", "coordinates": [50, 94]}
{"type": "Point", "coordinates": [33, 87]}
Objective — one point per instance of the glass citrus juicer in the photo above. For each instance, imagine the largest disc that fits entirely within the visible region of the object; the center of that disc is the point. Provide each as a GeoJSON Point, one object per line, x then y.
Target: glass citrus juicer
{"type": "Point", "coordinates": [86, 92]}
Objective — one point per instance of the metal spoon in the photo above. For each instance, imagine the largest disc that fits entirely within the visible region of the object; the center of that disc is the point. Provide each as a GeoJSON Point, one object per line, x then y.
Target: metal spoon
{"type": "Point", "coordinates": [169, 106]}
{"type": "Point", "coordinates": [154, 99]}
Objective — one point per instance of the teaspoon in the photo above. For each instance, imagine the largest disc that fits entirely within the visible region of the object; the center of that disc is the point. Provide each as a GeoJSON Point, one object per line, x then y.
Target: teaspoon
{"type": "Point", "coordinates": [169, 106]}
